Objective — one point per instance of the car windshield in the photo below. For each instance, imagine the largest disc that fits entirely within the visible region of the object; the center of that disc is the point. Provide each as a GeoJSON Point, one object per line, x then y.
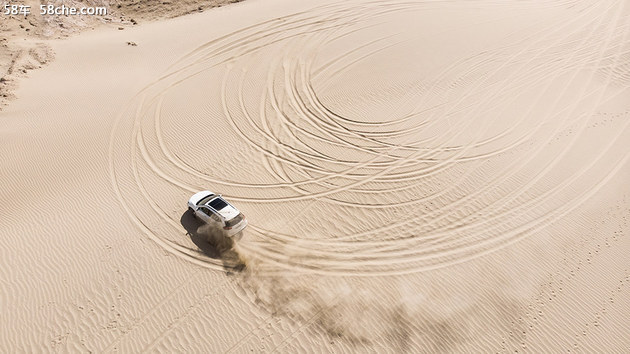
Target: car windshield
{"type": "Point", "coordinates": [234, 221]}
{"type": "Point", "coordinates": [205, 200]}
{"type": "Point", "coordinates": [217, 204]}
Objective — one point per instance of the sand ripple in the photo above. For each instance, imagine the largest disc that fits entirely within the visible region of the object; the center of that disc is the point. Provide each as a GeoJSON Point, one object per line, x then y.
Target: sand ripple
{"type": "Point", "coordinates": [396, 172]}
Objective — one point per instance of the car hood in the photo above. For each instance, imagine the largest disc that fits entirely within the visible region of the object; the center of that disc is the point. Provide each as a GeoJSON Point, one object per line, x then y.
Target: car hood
{"type": "Point", "coordinates": [199, 196]}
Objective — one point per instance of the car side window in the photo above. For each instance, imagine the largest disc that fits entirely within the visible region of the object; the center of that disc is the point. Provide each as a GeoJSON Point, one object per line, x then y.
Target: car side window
{"type": "Point", "coordinates": [215, 217]}
{"type": "Point", "coordinates": [205, 211]}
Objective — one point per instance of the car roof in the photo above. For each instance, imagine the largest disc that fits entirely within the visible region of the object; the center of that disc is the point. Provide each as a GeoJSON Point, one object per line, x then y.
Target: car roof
{"type": "Point", "coordinates": [228, 211]}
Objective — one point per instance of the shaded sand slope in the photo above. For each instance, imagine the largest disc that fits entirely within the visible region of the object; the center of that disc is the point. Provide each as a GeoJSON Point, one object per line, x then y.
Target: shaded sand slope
{"type": "Point", "coordinates": [22, 38]}
{"type": "Point", "coordinates": [419, 176]}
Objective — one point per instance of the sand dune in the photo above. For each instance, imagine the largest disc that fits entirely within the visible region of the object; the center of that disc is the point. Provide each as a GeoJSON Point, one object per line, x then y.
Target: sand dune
{"type": "Point", "coordinates": [419, 176]}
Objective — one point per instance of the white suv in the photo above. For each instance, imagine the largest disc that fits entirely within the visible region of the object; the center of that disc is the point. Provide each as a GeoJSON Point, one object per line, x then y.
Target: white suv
{"type": "Point", "coordinates": [216, 211]}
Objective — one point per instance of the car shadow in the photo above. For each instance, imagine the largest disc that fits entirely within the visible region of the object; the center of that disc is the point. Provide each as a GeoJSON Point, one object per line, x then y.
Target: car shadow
{"type": "Point", "coordinates": [212, 242]}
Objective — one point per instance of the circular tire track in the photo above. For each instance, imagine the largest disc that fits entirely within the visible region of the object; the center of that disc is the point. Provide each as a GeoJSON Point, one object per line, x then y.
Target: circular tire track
{"type": "Point", "coordinates": [448, 173]}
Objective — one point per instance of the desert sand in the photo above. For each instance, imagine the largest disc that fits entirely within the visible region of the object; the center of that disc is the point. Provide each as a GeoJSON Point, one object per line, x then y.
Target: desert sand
{"type": "Point", "coordinates": [418, 176]}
